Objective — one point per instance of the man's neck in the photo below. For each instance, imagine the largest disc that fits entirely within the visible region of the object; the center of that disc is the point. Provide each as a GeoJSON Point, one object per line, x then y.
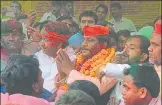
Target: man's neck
{"type": "Point", "coordinates": [50, 55]}
{"type": "Point", "coordinates": [118, 18]}
{"type": "Point", "coordinates": [146, 101]}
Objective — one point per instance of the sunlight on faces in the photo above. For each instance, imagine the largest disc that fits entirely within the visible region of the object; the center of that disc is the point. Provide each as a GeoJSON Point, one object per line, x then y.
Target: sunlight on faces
{"type": "Point", "coordinates": [86, 21]}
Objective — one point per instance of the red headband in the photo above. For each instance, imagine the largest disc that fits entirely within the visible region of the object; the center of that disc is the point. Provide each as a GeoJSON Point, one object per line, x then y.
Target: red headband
{"type": "Point", "coordinates": [157, 29]}
{"type": "Point", "coordinates": [52, 36]}
{"type": "Point", "coordinates": [96, 30]}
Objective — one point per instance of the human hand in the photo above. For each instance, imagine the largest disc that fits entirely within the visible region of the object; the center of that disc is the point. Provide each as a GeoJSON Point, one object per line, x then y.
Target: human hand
{"type": "Point", "coordinates": [64, 62]}
{"type": "Point", "coordinates": [31, 18]}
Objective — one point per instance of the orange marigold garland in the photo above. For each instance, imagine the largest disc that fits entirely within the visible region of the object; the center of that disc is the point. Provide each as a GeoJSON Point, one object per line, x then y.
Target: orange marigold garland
{"type": "Point", "coordinates": [89, 67]}
{"type": "Point", "coordinates": [96, 62]}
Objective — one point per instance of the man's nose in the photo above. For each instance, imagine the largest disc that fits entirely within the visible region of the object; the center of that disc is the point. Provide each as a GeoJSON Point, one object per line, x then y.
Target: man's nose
{"type": "Point", "coordinates": [150, 49]}
{"type": "Point", "coordinates": [11, 37]}
{"type": "Point", "coordinates": [84, 44]}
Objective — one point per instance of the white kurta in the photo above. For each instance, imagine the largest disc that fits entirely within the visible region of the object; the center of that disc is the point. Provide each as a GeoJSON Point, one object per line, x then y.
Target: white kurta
{"type": "Point", "coordinates": [48, 67]}
{"type": "Point", "coordinates": [49, 70]}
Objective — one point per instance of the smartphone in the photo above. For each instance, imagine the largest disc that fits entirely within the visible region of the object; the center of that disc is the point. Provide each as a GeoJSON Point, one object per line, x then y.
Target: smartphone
{"type": "Point", "coordinates": [10, 11]}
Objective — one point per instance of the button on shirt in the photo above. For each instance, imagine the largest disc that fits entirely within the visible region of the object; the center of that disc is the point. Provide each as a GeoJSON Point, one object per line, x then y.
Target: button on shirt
{"type": "Point", "coordinates": [123, 24]}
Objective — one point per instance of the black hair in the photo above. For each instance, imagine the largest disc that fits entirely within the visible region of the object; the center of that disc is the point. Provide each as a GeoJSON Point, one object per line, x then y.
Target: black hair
{"type": "Point", "coordinates": [90, 14]}
{"type": "Point", "coordinates": [125, 33]}
{"type": "Point", "coordinates": [145, 76]}
{"type": "Point", "coordinates": [60, 28]}
{"type": "Point", "coordinates": [20, 74]}
{"type": "Point", "coordinates": [20, 7]}
{"type": "Point", "coordinates": [116, 5]}
{"type": "Point", "coordinates": [83, 85]}
{"type": "Point", "coordinates": [75, 97]}
{"type": "Point", "coordinates": [102, 6]}
{"type": "Point", "coordinates": [75, 24]}
{"type": "Point", "coordinates": [41, 24]}
{"type": "Point", "coordinates": [157, 18]}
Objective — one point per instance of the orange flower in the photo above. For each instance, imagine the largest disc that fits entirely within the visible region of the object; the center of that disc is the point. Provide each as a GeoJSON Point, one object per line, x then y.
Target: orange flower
{"type": "Point", "coordinates": [96, 62]}
{"type": "Point", "coordinates": [90, 67]}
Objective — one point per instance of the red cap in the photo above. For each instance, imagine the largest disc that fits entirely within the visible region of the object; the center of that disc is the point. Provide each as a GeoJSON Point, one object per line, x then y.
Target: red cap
{"type": "Point", "coordinates": [157, 28]}
{"type": "Point", "coordinates": [96, 30]}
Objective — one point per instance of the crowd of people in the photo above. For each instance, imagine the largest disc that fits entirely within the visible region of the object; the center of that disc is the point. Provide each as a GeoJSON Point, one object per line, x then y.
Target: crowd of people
{"type": "Point", "coordinates": [60, 60]}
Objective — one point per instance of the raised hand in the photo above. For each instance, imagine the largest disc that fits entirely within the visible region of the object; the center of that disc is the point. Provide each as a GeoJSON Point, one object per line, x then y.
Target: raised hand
{"type": "Point", "coordinates": [63, 62]}
{"type": "Point", "coordinates": [31, 18]}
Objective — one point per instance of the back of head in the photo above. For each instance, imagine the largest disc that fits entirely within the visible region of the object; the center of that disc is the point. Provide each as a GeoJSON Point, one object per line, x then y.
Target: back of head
{"type": "Point", "coordinates": [86, 86]}
{"type": "Point", "coordinates": [40, 24]}
{"type": "Point", "coordinates": [116, 5]}
{"type": "Point", "coordinates": [89, 14]}
{"type": "Point", "coordinates": [145, 76]}
{"type": "Point", "coordinates": [125, 33]}
{"type": "Point", "coordinates": [20, 74]}
{"type": "Point", "coordinates": [75, 97]}
{"type": "Point", "coordinates": [58, 27]}
{"type": "Point", "coordinates": [10, 26]}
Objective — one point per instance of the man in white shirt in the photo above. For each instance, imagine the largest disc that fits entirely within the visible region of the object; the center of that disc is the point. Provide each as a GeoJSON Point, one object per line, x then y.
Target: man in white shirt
{"type": "Point", "coordinates": [53, 13]}
{"type": "Point", "coordinates": [55, 36]}
{"type": "Point", "coordinates": [119, 21]}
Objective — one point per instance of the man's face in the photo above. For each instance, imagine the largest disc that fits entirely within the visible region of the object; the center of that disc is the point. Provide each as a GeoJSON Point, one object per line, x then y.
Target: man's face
{"type": "Point", "coordinates": [86, 21]}
{"type": "Point", "coordinates": [55, 9]}
{"type": "Point", "coordinates": [69, 7]}
{"type": "Point", "coordinates": [115, 11]}
{"type": "Point", "coordinates": [15, 5]}
{"type": "Point", "coordinates": [69, 24]}
{"type": "Point", "coordinates": [12, 41]}
{"type": "Point", "coordinates": [155, 49]}
{"type": "Point", "coordinates": [49, 46]}
{"type": "Point", "coordinates": [121, 43]}
{"type": "Point", "coordinates": [133, 50]}
{"type": "Point", "coordinates": [131, 94]}
{"type": "Point", "coordinates": [91, 46]}
{"type": "Point", "coordinates": [101, 13]}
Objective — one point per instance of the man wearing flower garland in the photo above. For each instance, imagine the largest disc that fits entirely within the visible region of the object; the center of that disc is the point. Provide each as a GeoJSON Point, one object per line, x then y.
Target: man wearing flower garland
{"type": "Point", "coordinates": [94, 48]}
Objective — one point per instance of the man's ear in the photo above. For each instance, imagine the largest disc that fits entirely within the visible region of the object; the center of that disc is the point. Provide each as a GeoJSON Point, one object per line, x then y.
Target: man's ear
{"type": "Point", "coordinates": [35, 88]}
{"type": "Point", "coordinates": [144, 57]}
{"type": "Point", "coordinates": [143, 92]}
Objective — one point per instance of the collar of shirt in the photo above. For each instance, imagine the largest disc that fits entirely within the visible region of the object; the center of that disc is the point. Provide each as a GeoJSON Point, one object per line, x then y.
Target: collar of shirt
{"type": "Point", "coordinates": [122, 19]}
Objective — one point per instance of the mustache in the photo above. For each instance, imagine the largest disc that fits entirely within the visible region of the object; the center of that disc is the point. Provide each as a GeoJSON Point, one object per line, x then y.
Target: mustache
{"type": "Point", "coordinates": [83, 48]}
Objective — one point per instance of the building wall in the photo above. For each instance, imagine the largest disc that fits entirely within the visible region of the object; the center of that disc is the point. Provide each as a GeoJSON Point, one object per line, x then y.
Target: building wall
{"type": "Point", "coordinates": [140, 12]}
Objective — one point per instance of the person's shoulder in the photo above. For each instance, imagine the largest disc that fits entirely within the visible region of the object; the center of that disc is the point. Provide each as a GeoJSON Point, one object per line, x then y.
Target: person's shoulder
{"type": "Point", "coordinates": [25, 100]}
{"type": "Point", "coordinates": [39, 53]}
{"type": "Point", "coordinates": [127, 19]}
